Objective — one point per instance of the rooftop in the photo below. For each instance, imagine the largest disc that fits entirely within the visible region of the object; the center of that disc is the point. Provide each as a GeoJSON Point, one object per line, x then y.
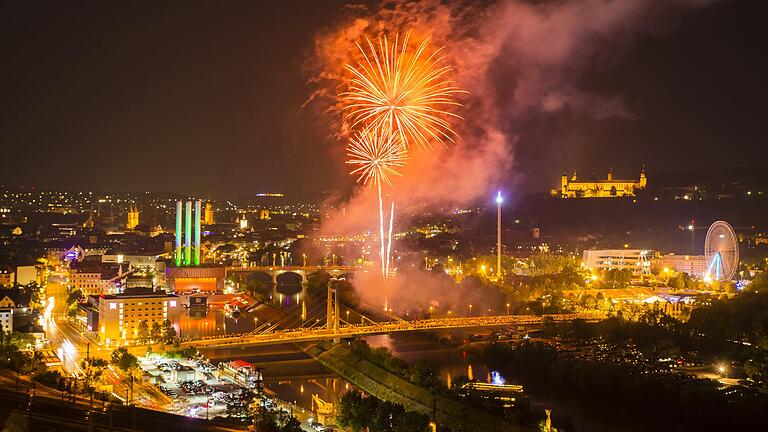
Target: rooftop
{"type": "Point", "coordinates": [137, 293]}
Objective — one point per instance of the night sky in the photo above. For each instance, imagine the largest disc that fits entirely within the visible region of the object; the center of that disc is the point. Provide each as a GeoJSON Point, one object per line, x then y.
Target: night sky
{"type": "Point", "coordinates": [205, 98]}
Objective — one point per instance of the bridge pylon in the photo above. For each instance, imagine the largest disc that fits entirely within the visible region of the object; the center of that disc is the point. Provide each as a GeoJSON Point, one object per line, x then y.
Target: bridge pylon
{"type": "Point", "coordinates": [332, 308]}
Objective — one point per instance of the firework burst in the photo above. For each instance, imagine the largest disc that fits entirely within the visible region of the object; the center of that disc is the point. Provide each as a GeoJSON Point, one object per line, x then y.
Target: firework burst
{"type": "Point", "coordinates": [402, 91]}
{"type": "Point", "coordinates": [376, 155]}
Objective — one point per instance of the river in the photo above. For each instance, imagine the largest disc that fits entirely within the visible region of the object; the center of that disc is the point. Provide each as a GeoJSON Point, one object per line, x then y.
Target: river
{"type": "Point", "coordinates": [293, 376]}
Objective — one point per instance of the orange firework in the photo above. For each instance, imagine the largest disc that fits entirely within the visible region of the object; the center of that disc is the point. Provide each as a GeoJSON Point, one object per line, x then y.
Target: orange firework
{"type": "Point", "coordinates": [402, 91]}
{"type": "Point", "coordinates": [376, 154]}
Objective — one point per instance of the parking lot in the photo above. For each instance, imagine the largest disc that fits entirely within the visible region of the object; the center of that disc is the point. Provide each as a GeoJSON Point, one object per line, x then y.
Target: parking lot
{"type": "Point", "coordinates": [197, 388]}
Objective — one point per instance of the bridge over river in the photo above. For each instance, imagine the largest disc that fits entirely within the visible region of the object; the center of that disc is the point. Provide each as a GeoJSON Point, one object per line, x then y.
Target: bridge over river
{"type": "Point", "coordinates": [337, 330]}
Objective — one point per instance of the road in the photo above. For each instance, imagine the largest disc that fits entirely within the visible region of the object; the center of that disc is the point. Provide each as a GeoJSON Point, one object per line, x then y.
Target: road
{"type": "Point", "coordinates": [36, 407]}
{"type": "Point", "coordinates": [72, 346]}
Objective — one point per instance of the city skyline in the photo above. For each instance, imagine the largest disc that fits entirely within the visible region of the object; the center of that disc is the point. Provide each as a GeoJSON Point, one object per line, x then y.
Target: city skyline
{"type": "Point", "coordinates": [99, 92]}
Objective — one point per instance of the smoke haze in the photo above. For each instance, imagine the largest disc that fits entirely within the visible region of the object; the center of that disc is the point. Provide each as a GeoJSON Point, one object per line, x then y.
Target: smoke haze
{"type": "Point", "coordinates": [517, 60]}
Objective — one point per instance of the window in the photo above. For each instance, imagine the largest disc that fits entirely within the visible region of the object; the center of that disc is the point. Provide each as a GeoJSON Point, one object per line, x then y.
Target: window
{"type": "Point", "coordinates": [113, 305]}
{"type": "Point", "coordinates": [173, 303]}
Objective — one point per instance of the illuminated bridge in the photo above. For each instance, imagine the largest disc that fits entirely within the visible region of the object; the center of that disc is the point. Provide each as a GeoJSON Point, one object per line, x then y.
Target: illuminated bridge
{"type": "Point", "coordinates": [302, 271]}
{"type": "Point", "coordinates": [337, 330]}
{"type": "Point", "coordinates": [345, 269]}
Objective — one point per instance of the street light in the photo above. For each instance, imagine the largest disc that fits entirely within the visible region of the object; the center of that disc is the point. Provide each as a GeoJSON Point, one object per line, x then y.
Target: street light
{"type": "Point", "coordinates": [721, 370]}
{"type": "Point", "coordinates": [507, 308]}
{"type": "Point", "coordinates": [470, 310]}
{"type": "Point", "coordinates": [692, 229]}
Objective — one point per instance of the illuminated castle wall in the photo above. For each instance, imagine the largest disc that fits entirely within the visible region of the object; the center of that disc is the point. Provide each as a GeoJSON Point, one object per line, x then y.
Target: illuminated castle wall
{"type": "Point", "coordinates": [187, 254]}
{"type": "Point", "coordinates": [608, 188]}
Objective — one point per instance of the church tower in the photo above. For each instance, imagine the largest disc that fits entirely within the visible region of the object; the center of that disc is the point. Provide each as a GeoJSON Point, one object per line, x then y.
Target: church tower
{"type": "Point", "coordinates": [133, 217]}
{"type": "Point", "coordinates": [208, 216]}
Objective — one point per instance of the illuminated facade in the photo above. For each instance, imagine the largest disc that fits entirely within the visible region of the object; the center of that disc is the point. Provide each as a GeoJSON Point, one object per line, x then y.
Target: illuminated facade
{"type": "Point", "coordinates": [635, 260]}
{"type": "Point", "coordinates": [608, 188]}
{"type": "Point", "coordinates": [133, 217]}
{"type": "Point", "coordinates": [187, 280]}
{"type": "Point", "coordinates": [694, 265]}
{"type": "Point", "coordinates": [121, 314]}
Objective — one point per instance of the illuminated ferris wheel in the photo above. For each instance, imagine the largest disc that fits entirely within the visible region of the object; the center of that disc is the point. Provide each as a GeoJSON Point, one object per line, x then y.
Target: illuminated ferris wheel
{"type": "Point", "coordinates": [721, 252]}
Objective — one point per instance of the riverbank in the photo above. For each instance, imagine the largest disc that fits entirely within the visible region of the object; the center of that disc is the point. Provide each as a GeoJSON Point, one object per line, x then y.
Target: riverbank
{"type": "Point", "coordinates": [390, 387]}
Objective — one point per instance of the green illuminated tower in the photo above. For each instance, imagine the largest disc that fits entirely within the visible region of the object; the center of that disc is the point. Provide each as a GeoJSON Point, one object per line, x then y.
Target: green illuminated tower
{"type": "Point", "coordinates": [188, 233]}
{"type": "Point", "coordinates": [177, 251]}
{"type": "Point", "coordinates": [197, 232]}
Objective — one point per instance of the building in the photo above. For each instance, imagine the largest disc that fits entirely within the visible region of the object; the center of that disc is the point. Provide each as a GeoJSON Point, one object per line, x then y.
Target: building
{"type": "Point", "coordinates": [136, 260]}
{"type": "Point", "coordinates": [88, 316]}
{"type": "Point", "coordinates": [94, 277]}
{"type": "Point", "coordinates": [635, 260]}
{"type": "Point", "coordinates": [694, 265]}
{"type": "Point", "coordinates": [242, 221]}
{"type": "Point", "coordinates": [121, 314]}
{"type": "Point", "coordinates": [6, 320]}
{"type": "Point", "coordinates": [27, 274]}
{"type": "Point", "coordinates": [13, 298]}
{"type": "Point", "coordinates": [241, 372]}
{"type": "Point", "coordinates": [7, 276]}
{"type": "Point", "coordinates": [188, 280]}
{"type": "Point", "coordinates": [608, 188]}
{"type": "Point", "coordinates": [208, 214]}
{"type": "Point", "coordinates": [189, 253]}
{"type": "Point", "coordinates": [133, 217]}
{"type": "Point", "coordinates": [16, 315]}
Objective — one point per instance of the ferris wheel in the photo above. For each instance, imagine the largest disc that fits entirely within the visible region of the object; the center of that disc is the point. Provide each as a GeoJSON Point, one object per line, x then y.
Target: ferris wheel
{"type": "Point", "coordinates": [721, 252]}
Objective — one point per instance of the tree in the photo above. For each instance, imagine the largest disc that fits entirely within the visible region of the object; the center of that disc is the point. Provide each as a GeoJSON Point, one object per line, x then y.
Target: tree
{"type": "Point", "coordinates": [73, 298]}
{"type": "Point", "coordinates": [156, 332]}
{"type": "Point", "coordinates": [291, 424]}
{"type": "Point", "coordinates": [425, 373]}
{"type": "Point", "coordinates": [144, 334]}
{"type": "Point", "coordinates": [93, 370]}
{"type": "Point", "coordinates": [266, 420]}
{"type": "Point", "coordinates": [361, 413]}
{"type": "Point", "coordinates": [11, 355]}
{"type": "Point", "coordinates": [169, 332]}
{"type": "Point", "coordinates": [124, 360]}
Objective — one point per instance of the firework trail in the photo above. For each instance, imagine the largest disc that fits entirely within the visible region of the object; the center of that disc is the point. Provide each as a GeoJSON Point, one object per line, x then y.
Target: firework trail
{"type": "Point", "coordinates": [401, 98]}
{"type": "Point", "coordinates": [404, 92]}
{"type": "Point", "coordinates": [377, 155]}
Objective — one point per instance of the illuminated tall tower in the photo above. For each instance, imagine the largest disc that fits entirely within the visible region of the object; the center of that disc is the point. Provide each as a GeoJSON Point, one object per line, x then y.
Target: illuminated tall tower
{"type": "Point", "coordinates": [189, 253]}
{"type": "Point", "coordinates": [133, 217]}
{"type": "Point", "coordinates": [498, 235]}
{"type": "Point", "coordinates": [197, 233]}
{"type": "Point", "coordinates": [177, 252]}
{"type": "Point", "coordinates": [188, 233]}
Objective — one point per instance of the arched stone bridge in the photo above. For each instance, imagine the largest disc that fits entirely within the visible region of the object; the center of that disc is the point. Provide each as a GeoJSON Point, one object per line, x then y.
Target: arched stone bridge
{"type": "Point", "coordinates": [275, 272]}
